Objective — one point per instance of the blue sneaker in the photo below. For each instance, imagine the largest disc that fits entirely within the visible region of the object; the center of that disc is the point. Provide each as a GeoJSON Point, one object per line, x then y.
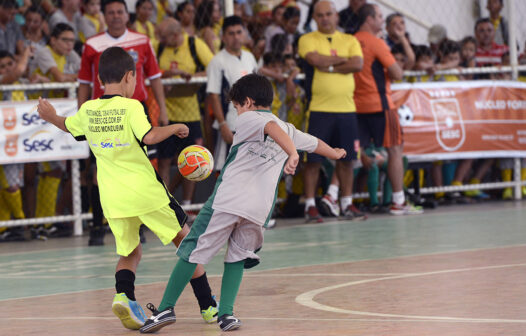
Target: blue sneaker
{"type": "Point", "coordinates": [129, 312]}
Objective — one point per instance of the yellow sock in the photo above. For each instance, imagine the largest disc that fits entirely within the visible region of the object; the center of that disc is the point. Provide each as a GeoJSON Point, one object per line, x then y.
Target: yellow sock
{"type": "Point", "coordinates": [421, 177]}
{"type": "Point", "coordinates": [5, 214]}
{"type": "Point", "coordinates": [282, 189]}
{"type": "Point", "coordinates": [409, 176]}
{"type": "Point", "coordinates": [523, 174]}
{"type": "Point", "coordinates": [506, 175]}
{"type": "Point", "coordinates": [14, 203]}
{"type": "Point", "coordinates": [47, 191]}
{"type": "Point", "coordinates": [456, 183]}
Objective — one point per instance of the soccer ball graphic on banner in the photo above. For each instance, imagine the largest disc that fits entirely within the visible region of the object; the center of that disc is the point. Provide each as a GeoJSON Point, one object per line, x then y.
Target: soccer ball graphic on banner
{"type": "Point", "coordinates": [406, 115]}
{"type": "Point", "coordinates": [195, 163]}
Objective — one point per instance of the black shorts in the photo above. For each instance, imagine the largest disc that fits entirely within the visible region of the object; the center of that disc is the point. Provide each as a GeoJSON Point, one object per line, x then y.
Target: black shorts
{"type": "Point", "coordinates": [383, 128]}
{"type": "Point", "coordinates": [173, 145]}
{"type": "Point", "coordinates": [337, 130]}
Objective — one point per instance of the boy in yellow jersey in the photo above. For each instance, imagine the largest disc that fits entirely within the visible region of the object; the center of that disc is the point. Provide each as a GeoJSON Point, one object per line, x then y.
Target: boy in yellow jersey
{"type": "Point", "coordinates": [131, 192]}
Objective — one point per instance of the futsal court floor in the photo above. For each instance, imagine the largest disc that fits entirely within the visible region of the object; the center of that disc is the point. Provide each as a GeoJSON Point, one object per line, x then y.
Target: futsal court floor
{"type": "Point", "coordinates": [457, 270]}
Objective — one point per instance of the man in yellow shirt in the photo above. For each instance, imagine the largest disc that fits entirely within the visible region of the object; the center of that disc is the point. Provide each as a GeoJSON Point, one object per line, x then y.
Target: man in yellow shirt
{"type": "Point", "coordinates": [182, 56]}
{"type": "Point", "coordinates": [331, 59]}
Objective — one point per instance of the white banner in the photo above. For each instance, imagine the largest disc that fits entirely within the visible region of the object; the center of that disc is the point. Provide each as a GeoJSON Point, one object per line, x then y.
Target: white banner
{"type": "Point", "coordinates": [24, 137]}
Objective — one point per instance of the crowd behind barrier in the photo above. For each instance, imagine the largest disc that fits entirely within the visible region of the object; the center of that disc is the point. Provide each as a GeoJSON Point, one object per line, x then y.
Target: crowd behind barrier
{"type": "Point", "coordinates": [42, 56]}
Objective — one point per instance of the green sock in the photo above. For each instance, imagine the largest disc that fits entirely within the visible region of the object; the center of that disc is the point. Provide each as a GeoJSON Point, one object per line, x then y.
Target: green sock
{"type": "Point", "coordinates": [230, 286]}
{"type": "Point", "coordinates": [180, 277]}
{"type": "Point", "coordinates": [372, 184]}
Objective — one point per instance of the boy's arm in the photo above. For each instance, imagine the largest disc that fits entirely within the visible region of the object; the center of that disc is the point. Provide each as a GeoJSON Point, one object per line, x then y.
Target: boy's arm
{"type": "Point", "coordinates": [329, 152]}
{"type": "Point", "coordinates": [158, 134]}
{"type": "Point", "coordinates": [285, 142]}
{"type": "Point", "coordinates": [49, 114]}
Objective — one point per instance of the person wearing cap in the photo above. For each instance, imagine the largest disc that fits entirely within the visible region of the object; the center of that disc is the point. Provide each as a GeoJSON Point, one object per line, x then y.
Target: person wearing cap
{"type": "Point", "coordinates": [397, 36]}
{"type": "Point", "coordinates": [436, 35]}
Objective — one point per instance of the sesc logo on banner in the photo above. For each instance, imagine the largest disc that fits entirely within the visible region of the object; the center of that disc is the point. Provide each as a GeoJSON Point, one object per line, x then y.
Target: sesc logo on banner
{"type": "Point", "coordinates": [40, 141]}
{"type": "Point", "coordinates": [9, 115]}
{"type": "Point", "coordinates": [449, 124]}
{"type": "Point", "coordinates": [11, 144]}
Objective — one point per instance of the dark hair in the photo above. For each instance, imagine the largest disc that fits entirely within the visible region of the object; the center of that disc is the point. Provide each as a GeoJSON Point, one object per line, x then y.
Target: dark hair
{"type": "Point", "coordinates": [203, 14]}
{"type": "Point", "coordinates": [8, 4]}
{"type": "Point", "coordinates": [390, 18]}
{"type": "Point", "coordinates": [276, 8]}
{"type": "Point", "coordinates": [468, 39]}
{"type": "Point", "coordinates": [481, 21]}
{"type": "Point", "coordinates": [364, 12]}
{"type": "Point", "coordinates": [5, 53]}
{"type": "Point", "coordinates": [398, 49]}
{"type": "Point", "coordinates": [107, 2]}
{"type": "Point", "coordinates": [139, 3]}
{"type": "Point", "coordinates": [252, 86]}
{"type": "Point", "coordinates": [290, 13]}
{"type": "Point", "coordinates": [180, 9]}
{"type": "Point", "coordinates": [448, 47]}
{"type": "Point", "coordinates": [230, 21]}
{"type": "Point", "coordinates": [35, 9]}
{"type": "Point", "coordinates": [270, 58]}
{"type": "Point", "coordinates": [422, 50]}
{"type": "Point", "coordinates": [278, 43]}
{"type": "Point", "coordinates": [60, 28]}
{"type": "Point", "coordinates": [114, 63]}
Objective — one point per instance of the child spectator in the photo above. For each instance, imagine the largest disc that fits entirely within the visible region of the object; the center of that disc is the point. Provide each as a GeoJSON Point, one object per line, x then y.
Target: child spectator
{"type": "Point", "coordinates": [468, 48]}
{"type": "Point", "coordinates": [35, 27]}
{"type": "Point", "coordinates": [263, 148]}
{"type": "Point", "coordinates": [449, 53]}
{"type": "Point", "coordinates": [92, 21]}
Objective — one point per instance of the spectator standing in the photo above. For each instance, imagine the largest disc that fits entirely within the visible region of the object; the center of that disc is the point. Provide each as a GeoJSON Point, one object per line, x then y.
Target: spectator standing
{"type": "Point", "coordinates": [377, 117]}
{"type": "Point", "coordinates": [349, 18]}
{"type": "Point", "coordinates": [396, 34]}
{"type": "Point", "coordinates": [230, 64]}
{"type": "Point", "coordinates": [207, 16]}
{"type": "Point", "coordinates": [331, 59]}
{"type": "Point", "coordinates": [34, 27]}
{"type": "Point", "coordinates": [185, 57]}
{"type": "Point", "coordinates": [500, 24]}
{"type": "Point", "coordinates": [142, 24]}
{"type": "Point", "coordinates": [68, 12]}
{"type": "Point", "coordinates": [92, 21]}
{"type": "Point", "coordinates": [185, 14]}
{"type": "Point", "coordinates": [275, 27]}
{"type": "Point", "coordinates": [289, 25]}
{"type": "Point", "coordinates": [488, 52]}
{"type": "Point", "coordinates": [11, 37]}
{"type": "Point", "coordinates": [139, 47]}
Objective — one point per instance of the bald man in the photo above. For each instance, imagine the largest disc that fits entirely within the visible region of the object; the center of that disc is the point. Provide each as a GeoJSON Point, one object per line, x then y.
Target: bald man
{"type": "Point", "coordinates": [183, 56]}
{"type": "Point", "coordinates": [331, 59]}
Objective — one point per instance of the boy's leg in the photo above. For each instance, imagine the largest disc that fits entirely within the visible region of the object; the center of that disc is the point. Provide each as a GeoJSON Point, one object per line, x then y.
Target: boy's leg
{"type": "Point", "coordinates": [200, 285]}
{"type": "Point", "coordinates": [232, 277]}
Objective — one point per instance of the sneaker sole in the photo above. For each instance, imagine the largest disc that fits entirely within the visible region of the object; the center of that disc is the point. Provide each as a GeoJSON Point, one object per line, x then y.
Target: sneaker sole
{"type": "Point", "coordinates": [232, 326]}
{"type": "Point", "coordinates": [327, 209]}
{"type": "Point", "coordinates": [157, 326]}
{"type": "Point", "coordinates": [125, 315]}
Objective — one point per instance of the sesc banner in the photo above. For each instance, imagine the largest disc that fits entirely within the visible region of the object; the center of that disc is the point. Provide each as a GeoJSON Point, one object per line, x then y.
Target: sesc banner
{"type": "Point", "coordinates": [24, 137]}
{"type": "Point", "coordinates": [453, 120]}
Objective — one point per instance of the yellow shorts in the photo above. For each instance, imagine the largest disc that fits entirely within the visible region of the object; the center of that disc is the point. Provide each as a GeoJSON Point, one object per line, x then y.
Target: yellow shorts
{"type": "Point", "coordinates": [162, 222]}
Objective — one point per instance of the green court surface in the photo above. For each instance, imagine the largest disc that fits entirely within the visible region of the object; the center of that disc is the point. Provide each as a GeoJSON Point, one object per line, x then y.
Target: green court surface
{"type": "Point", "coordinates": [66, 265]}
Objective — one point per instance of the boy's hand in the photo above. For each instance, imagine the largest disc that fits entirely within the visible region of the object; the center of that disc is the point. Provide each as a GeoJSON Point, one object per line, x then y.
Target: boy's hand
{"type": "Point", "coordinates": [292, 163]}
{"type": "Point", "coordinates": [182, 131]}
{"type": "Point", "coordinates": [339, 153]}
{"type": "Point", "coordinates": [45, 109]}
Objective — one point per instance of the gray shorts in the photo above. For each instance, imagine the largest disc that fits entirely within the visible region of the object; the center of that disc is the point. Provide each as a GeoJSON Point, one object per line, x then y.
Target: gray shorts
{"type": "Point", "coordinates": [212, 229]}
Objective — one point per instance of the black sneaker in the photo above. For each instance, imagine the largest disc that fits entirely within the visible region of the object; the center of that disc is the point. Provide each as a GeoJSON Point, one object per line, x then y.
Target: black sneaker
{"type": "Point", "coordinates": [158, 320]}
{"type": "Point", "coordinates": [228, 322]}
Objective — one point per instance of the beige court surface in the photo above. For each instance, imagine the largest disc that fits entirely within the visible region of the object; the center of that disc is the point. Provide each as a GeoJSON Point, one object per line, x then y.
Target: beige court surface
{"type": "Point", "coordinates": [452, 271]}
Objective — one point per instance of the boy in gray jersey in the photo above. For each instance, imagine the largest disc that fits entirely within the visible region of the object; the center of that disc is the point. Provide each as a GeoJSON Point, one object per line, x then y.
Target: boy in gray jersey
{"type": "Point", "coordinates": [243, 199]}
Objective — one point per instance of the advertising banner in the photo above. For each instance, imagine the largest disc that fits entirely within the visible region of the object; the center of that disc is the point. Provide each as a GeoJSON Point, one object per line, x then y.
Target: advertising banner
{"type": "Point", "coordinates": [453, 120]}
{"type": "Point", "coordinates": [24, 137]}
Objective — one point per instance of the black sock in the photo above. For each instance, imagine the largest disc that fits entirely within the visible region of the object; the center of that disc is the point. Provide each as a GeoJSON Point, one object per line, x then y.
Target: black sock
{"type": "Point", "coordinates": [202, 292]}
{"type": "Point", "coordinates": [84, 198]}
{"type": "Point", "coordinates": [96, 207]}
{"type": "Point", "coordinates": [125, 283]}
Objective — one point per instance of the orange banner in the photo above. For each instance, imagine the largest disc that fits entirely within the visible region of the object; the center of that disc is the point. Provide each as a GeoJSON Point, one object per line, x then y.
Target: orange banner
{"type": "Point", "coordinates": [454, 120]}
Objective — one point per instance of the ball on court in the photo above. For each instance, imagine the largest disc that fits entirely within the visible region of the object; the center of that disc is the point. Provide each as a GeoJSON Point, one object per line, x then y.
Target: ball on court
{"type": "Point", "coordinates": [195, 163]}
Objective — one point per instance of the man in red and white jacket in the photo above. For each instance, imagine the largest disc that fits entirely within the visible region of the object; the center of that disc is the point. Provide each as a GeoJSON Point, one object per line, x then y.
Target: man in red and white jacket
{"type": "Point", "coordinates": [488, 51]}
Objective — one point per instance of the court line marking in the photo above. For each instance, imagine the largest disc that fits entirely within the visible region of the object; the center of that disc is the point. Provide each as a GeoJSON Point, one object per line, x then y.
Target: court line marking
{"type": "Point", "coordinates": [307, 299]}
